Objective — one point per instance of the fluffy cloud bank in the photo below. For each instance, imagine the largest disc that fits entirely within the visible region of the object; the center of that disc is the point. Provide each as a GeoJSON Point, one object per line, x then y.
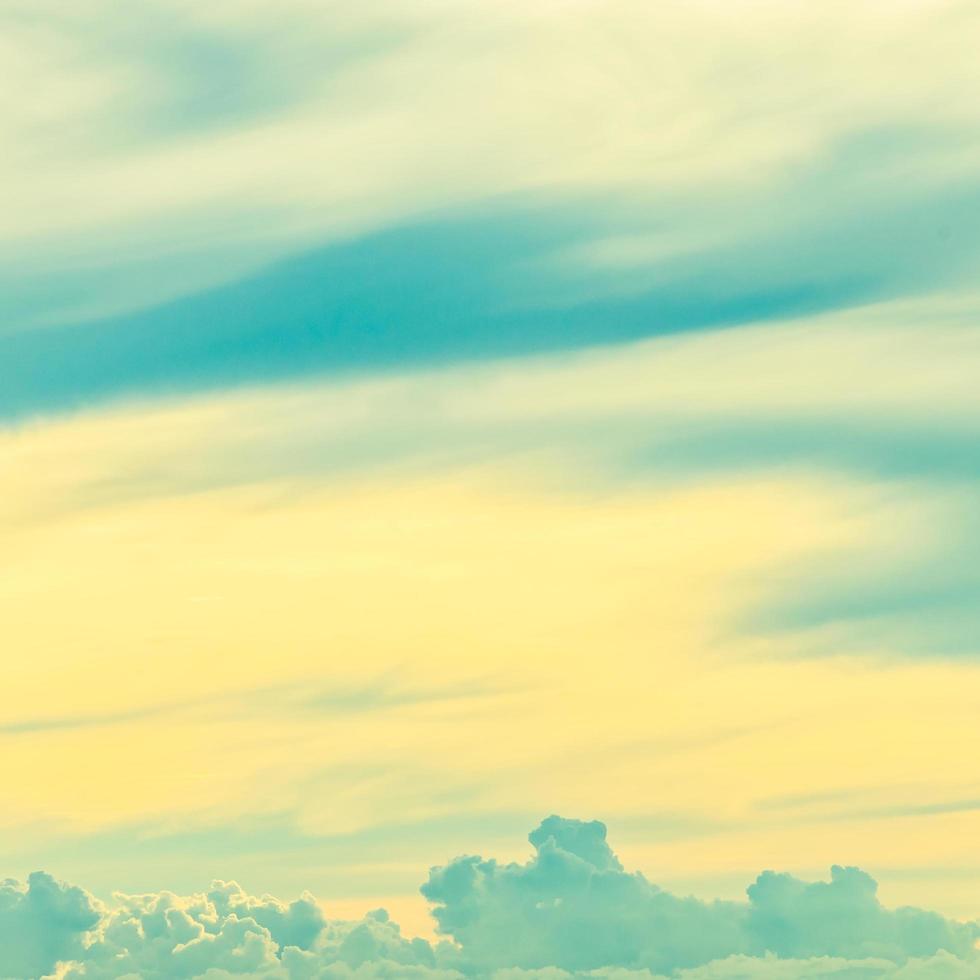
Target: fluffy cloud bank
{"type": "Point", "coordinates": [573, 906]}
{"type": "Point", "coordinates": [571, 911]}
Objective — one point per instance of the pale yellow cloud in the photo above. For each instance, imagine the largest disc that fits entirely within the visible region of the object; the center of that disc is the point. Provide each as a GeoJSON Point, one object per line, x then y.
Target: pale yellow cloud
{"type": "Point", "coordinates": [451, 577]}
{"type": "Point", "coordinates": [599, 627]}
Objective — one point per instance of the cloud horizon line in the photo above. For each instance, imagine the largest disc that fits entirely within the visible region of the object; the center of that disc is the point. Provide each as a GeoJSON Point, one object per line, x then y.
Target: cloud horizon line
{"type": "Point", "coordinates": [570, 911]}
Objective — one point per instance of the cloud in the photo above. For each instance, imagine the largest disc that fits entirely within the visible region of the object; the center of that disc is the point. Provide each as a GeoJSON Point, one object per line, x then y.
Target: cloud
{"type": "Point", "coordinates": [571, 911]}
{"type": "Point", "coordinates": [883, 397]}
{"type": "Point", "coordinates": [386, 692]}
{"type": "Point", "coordinates": [481, 282]}
{"type": "Point", "coordinates": [573, 906]}
{"type": "Point", "coordinates": [886, 392]}
{"type": "Point", "coordinates": [225, 932]}
{"type": "Point", "coordinates": [203, 143]}
{"type": "Point", "coordinates": [942, 966]}
{"type": "Point", "coordinates": [164, 935]}
{"type": "Point", "coordinates": [41, 922]}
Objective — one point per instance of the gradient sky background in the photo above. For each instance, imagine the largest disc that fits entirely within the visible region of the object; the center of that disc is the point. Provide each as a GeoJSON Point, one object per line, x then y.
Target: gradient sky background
{"type": "Point", "coordinates": [419, 418]}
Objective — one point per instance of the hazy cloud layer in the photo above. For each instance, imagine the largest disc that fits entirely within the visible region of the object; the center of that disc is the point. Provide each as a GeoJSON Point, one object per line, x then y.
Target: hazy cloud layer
{"type": "Point", "coordinates": [570, 911]}
{"type": "Point", "coordinates": [566, 174]}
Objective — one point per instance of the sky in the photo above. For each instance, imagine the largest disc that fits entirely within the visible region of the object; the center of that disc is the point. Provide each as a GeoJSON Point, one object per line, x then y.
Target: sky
{"type": "Point", "coordinates": [421, 421]}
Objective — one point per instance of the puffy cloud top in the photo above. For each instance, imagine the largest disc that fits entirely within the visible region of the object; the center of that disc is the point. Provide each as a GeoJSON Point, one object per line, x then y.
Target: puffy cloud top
{"type": "Point", "coordinates": [572, 906]}
{"type": "Point", "coordinates": [571, 911]}
{"type": "Point", "coordinates": [42, 922]}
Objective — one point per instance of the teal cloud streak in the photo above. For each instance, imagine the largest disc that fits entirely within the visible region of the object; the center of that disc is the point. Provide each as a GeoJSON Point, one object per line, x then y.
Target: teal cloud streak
{"type": "Point", "coordinates": [497, 281]}
{"type": "Point", "coordinates": [917, 599]}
